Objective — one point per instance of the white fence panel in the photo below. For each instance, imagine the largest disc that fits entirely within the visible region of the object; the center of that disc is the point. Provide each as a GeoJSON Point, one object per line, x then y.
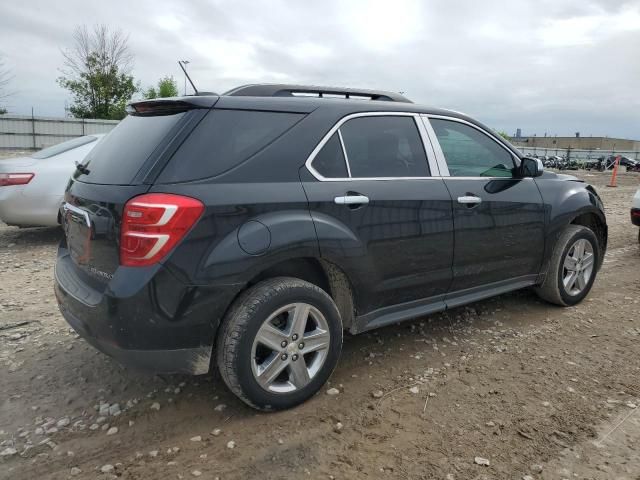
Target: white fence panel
{"type": "Point", "coordinates": [26, 132]}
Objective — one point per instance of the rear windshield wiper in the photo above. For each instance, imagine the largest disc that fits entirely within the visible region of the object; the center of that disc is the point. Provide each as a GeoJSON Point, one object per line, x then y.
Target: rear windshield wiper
{"type": "Point", "coordinates": [82, 168]}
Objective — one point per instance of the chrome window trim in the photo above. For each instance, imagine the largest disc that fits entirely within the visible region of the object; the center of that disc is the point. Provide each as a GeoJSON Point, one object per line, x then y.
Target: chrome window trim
{"type": "Point", "coordinates": [431, 161]}
{"type": "Point", "coordinates": [442, 162]}
{"type": "Point", "coordinates": [435, 144]}
{"type": "Point", "coordinates": [344, 153]}
{"type": "Point", "coordinates": [488, 178]}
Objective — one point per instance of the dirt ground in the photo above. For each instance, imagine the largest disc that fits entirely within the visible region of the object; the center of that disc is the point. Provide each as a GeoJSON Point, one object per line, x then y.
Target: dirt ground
{"type": "Point", "coordinates": [508, 388]}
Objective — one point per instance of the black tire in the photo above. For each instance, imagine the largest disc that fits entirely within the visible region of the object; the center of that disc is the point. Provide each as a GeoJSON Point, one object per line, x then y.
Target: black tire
{"type": "Point", "coordinates": [241, 325]}
{"type": "Point", "coordinates": [552, 289]}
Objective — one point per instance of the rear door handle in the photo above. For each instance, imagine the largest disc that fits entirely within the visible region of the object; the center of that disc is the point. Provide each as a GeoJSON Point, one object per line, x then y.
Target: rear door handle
{"type": "Point", "coordinates": [469, 200]}
{"type": "Point", "coordinates": [351, 200]}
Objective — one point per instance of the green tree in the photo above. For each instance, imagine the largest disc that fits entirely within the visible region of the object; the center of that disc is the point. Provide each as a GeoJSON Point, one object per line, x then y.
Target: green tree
{"type": "Point", "coordinates": [167, 87]}
{"type": "Point", "coordinates": [98, 73]}
{"type": "Point", "coordinates": [504, 135]}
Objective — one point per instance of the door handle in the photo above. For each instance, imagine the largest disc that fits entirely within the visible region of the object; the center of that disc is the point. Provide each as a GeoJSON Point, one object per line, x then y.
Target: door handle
{"type": "Point", "coordinates": [469, 200]}
{"type": "Point", "coordinates": [351, 200]}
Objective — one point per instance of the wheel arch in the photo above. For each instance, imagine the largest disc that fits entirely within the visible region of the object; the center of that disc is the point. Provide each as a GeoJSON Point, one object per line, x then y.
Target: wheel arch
{"type": "Point", "coordinates": [598, 226]}
{"type": "Point", "coordinates": [587, 216]}
{"type": "Point", "coordinates": [324, 274]}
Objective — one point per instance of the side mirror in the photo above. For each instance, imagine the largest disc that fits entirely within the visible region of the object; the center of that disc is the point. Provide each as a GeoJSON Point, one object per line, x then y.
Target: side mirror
{"type": "Point", "coordinates": [531, 167]}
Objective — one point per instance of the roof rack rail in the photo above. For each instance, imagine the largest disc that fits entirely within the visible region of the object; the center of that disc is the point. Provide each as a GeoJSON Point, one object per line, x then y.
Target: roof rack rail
{"type": "Point", "coordinates": [282, 90]}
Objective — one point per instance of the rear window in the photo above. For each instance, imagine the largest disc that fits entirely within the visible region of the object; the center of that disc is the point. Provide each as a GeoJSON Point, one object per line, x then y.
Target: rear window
{"type": "Point", "coordinates": [63, 147]}
{"type": "Point", "coordinates": [224, 139]}
{"type": "Point", "coordinates": [118, 158]}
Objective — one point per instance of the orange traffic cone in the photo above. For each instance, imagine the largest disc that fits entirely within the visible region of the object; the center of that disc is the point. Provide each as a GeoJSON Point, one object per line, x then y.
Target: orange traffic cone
{"type": "Point", "coordinates": [614, 175]}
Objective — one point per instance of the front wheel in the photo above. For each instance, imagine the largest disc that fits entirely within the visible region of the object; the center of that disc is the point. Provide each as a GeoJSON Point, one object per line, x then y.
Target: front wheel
{"type": "Point", "coordinates": [572, 268]}
{"type": "Point", "coordinates": [279, 343]}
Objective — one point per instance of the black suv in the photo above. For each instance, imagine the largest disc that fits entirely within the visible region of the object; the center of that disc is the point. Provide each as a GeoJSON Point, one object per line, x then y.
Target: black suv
{"type": "Point", "coordinates": [257, 225]}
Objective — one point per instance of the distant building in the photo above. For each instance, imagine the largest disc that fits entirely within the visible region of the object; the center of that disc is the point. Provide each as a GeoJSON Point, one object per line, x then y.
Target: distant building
{"type": "Point", "coordinates": [580, 143]}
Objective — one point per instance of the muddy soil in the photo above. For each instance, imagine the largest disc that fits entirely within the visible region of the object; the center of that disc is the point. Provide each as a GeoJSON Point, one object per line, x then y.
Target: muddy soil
{"type": "Point", "coordinates": [508, 388]}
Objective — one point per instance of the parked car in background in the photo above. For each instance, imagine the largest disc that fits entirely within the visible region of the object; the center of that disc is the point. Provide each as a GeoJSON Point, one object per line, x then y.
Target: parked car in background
{"type": "Point", "coordinates": [630, 164]}
{"type": "Point", "coordinates": [635, 211]}
{"type": "Point", "coordinates": [609, 162]}
{"type": "Point", "coordinates": [32, 188]}
{"type": "Point", "coordinates": [594, 164]}
{"type": "Point", "coordinates": [256, 226]}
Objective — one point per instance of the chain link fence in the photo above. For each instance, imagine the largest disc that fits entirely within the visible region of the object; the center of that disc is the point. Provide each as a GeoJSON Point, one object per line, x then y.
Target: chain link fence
{"type": "Point", "coordinates": [578, 155]}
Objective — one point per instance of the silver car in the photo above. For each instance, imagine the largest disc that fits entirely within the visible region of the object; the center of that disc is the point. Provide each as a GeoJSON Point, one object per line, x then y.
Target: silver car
{"type": "Point", "coordinates": [32, 188]}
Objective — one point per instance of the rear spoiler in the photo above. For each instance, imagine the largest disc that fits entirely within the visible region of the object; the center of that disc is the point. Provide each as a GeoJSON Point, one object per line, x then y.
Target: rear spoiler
{"type": "Point", "coordinates": [170, 106]}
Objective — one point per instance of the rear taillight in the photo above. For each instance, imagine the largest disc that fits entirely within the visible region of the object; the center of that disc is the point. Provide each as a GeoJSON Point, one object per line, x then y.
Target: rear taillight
{"type": "Point", "coordinates": [8, 179]}
{"type": "Point", "coordinates": [152, 224]}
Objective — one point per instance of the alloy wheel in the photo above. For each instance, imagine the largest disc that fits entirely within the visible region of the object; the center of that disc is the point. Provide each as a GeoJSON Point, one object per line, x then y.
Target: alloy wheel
{"type": "Point", "coordinates": [578, 267]}
{"type": "Point", "coordinates": [290, 348]}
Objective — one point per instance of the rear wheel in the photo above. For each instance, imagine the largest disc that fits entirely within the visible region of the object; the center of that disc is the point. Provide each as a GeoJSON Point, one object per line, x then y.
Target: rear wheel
{"type": "Point", "coordinates": [572, 268]}
{"type": "Point", "coordinates": [279, 343]}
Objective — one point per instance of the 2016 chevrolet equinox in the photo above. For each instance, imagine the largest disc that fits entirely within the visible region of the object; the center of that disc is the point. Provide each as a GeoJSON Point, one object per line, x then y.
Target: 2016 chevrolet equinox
{"type": "Point", "coordinates": [258, 225]}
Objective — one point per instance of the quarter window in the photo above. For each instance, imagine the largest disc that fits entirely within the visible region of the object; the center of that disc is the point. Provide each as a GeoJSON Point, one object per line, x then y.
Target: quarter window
{"type": "Point", "coordinates": [329, 161]}
{"type": "Point", "coordinates": [384, 146]}
{"type": "Point", "coordinates": [223, 140]}
{"type": "Point", "coordinates": [471, 153]}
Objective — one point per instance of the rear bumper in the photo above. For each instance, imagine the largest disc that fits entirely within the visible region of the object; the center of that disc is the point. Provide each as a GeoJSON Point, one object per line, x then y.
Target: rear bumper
{"type": "Point", "coordinates": [635, 216]}
{"type": "Point", "coordinates": [144, 318]}
{"type": "Point", "coordinates": [194, 361]}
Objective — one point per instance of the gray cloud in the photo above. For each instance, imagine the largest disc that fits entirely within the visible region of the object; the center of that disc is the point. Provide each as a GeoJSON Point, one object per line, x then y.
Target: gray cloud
{"type": "Point", "coordinates": [545, 66]}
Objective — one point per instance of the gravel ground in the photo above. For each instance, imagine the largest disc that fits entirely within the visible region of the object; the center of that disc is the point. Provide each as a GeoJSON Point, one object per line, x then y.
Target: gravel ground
{"type": "Point", "coordinates": [508, 388]}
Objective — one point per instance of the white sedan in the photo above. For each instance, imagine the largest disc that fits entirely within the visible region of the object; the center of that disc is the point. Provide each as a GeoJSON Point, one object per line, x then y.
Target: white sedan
{"type": "Point", "coordinates": [32, 188]}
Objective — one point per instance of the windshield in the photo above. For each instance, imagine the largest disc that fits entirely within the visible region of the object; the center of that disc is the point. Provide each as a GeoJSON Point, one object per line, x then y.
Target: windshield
{"type": "Point", "coordinates": [63, 147]}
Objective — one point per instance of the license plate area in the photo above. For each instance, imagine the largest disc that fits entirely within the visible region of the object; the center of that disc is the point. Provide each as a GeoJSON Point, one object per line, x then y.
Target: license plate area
{"type": "Point", "coordinates": [77, 225]}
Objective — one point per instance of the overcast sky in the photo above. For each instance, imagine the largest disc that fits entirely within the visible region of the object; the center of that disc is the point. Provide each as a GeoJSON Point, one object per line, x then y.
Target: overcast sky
{"type": "Point", "coordinates": [557, 66]}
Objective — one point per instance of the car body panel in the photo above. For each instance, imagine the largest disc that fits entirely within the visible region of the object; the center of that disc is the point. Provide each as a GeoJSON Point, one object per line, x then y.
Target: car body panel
{"type": "Point", "coordinates": [37, 203]}
{"type": "Point", "coordinates": [501, 237]}
{"type": "Point", "coordinates": [398, 248]}
{"type": "Point", "coordinates": [566, 198]}
{"type": "Point", "coordinates": [212, 253]}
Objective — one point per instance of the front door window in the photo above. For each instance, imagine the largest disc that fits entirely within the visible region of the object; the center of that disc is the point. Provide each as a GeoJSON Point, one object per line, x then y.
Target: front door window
{"type": "Point", "coordinates": [471, 153]}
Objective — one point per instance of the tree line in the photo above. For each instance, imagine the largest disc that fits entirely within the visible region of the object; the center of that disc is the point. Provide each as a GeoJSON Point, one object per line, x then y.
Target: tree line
{"type": "Point", "coordinates": [97, 73]}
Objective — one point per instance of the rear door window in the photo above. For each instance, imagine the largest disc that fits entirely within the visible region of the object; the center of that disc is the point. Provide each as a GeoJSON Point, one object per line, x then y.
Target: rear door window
{"type": "Point", "coordinates": [384, 146]}
{"type": "Point", "coordinates": [223, 140]}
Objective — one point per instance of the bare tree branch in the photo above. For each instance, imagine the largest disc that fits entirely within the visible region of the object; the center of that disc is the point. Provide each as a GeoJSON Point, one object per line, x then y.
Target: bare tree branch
{"type": "Point", "coordinates": [110, 47]}
{"type": "Point", "coordinates": [5, 79]}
